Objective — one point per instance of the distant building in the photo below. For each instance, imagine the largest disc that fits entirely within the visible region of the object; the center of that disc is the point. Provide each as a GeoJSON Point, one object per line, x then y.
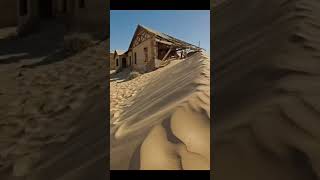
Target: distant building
{"type": "Point", "coordinates": [78, 15]}
{"type": "Point", "coordinates": [150, 49]}
{"type": "Point", "coordinates": [120, 59]}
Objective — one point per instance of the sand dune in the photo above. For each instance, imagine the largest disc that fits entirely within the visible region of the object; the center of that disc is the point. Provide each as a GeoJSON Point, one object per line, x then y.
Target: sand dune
{"type": "Point", "coordinates": [167, 124]}
{"type": "Point", "coordinates": [53, 114]}
{"type": "Point", "coordinates": [267, 95]}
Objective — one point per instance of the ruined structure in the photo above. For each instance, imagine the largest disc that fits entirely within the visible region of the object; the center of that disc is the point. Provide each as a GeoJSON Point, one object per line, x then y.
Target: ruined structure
{"type": "Point", "coordinates": [76, 15]}
{"type": "Point", "coordinates": [119, 59]}
{"type": "Point", "coordinates": [150, 49]}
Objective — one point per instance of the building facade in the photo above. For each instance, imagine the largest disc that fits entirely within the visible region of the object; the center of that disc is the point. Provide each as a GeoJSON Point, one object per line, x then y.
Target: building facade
{"type": "Point", "coordinates": [112, 62]}
{"type": "Point", "coordinates": [84, 16]}
{"type": "Point", "coordinates": [149, 49]}
{"type": "Point", "coordinates": [120, 60]}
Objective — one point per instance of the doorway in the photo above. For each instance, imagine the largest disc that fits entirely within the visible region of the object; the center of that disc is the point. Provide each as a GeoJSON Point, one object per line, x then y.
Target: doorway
{"type": "Point", "coordinates": [45, 9]}
{"type": "Point", "coordinates": [124, 63]}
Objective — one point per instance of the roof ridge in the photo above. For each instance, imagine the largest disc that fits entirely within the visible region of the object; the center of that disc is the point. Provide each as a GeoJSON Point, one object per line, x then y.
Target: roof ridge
{"type": "Point", "coordinates": [161, 33]}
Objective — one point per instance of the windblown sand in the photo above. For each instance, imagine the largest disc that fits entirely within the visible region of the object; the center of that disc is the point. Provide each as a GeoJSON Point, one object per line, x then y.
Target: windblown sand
{"type": "Point", "coordinates": [267, 103]}
{"type": "Point", "coordinates": [161, 120]}
{"type": "Point", "coordinates": [52, 110]}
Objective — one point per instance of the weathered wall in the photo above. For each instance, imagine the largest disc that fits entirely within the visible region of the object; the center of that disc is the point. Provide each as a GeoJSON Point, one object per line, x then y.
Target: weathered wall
{"type": "Point", "coordinates": [117, 65]}
{"type": "Point", "coordinates": [89, 19]}
{"type": "Point", "coordinates": [112, 61]}
{"type": "Point", "coordinates": [129, 64]}
{"type": "Point", "coordinates": [9, 10]}
{"type": "Point", "coordinates": [119, 61]}
{"type": "Point", "coordinates": [141, 64]}
{"type": "Point", "coordinates": [153, 52]}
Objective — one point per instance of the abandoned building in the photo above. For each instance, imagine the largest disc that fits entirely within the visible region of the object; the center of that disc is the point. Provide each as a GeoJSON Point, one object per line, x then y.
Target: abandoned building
{"type": "Point", "coordinates": [150, 49]}
{"type": "Point", "coordinates": [120, 59]}
{"type": "Point", "coordinates": [85, 16]}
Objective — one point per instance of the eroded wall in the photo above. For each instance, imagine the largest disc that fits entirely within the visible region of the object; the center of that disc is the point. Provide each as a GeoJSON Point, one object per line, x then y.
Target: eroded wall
{"type": "Point", "coordinates": [130, 59]}
{"type": "Point", "coordinates": [117, 62]}
{"type": "Point", "coordinates": [119, 58]}
{"type": "Point", "coordinates": [112, 61]}
{"type": "Point", "coordinates": [141, 64]}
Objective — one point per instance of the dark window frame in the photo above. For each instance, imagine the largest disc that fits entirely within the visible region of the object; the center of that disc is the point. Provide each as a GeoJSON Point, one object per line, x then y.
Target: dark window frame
{"type": "Point", "coordinates": [117, 60]}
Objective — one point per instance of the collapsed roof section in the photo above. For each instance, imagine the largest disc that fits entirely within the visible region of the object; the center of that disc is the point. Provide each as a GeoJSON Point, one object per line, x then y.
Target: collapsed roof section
{"type": "Point", "coordinates": [162, 38]}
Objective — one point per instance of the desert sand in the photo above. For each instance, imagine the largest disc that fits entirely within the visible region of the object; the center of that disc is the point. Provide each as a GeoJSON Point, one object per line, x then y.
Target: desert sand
{"type": "Point", "coordinates": [161, 119]}
{"type": "Point", "coordinates": [266, 58]}
{"type": "Point", "coordinates": [53, 109]}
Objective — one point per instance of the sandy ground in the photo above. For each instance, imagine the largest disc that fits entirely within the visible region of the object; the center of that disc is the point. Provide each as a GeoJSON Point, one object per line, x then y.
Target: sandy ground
{"type": "Point", "coordinates": [162, 119]}
{"type": "Point", "coordinates": [7, 32]}
{"type": "Point", "coordinates": [52, 109]}
{"type": "Point", "coordinates": [123, 91]}
{"type": "Point", "coordinates": [267, 89]}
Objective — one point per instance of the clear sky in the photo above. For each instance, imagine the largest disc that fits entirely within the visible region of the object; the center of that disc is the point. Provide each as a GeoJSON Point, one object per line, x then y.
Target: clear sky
{"type": "Point", "coordinates": [189, 26]}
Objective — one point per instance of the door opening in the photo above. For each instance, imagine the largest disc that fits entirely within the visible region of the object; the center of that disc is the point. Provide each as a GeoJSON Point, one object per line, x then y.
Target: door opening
{"type": "Point", "coordinates": [124, 63]}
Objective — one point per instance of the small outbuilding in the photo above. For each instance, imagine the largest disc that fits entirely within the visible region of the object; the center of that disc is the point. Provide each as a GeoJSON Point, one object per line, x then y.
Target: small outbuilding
{"type": "Point", "coordinates": [120, 59]}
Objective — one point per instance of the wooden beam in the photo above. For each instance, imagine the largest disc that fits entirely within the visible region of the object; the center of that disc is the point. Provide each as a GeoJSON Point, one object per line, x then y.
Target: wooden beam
{"type": "Point", "coordinates": [167, 53]}
{"type": "Point", "coordinates": [139, 40]}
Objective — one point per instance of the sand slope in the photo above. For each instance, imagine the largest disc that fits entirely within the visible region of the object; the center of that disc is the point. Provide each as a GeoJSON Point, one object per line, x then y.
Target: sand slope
{"type": "Point", "coordinates": [267, 94]}
{"type": "Point", "coordinates": [53, 114]}
{"type": "Point", "coordinates": [167, 125]}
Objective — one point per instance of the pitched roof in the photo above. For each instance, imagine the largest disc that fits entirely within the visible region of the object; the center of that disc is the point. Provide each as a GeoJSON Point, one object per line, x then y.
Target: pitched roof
{"type": "Point", "coordinates": [166, 37]}
{"type": "Point", "coordinates": [119, 52]}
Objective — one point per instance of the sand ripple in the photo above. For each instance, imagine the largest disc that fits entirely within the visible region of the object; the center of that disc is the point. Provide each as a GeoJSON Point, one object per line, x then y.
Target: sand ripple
{"type": "Point", "coordinates": [167, 125]}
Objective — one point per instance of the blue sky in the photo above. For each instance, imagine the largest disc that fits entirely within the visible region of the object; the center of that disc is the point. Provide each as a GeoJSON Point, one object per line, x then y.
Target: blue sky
{"type": "Point", "coordinates": [189, 26]}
